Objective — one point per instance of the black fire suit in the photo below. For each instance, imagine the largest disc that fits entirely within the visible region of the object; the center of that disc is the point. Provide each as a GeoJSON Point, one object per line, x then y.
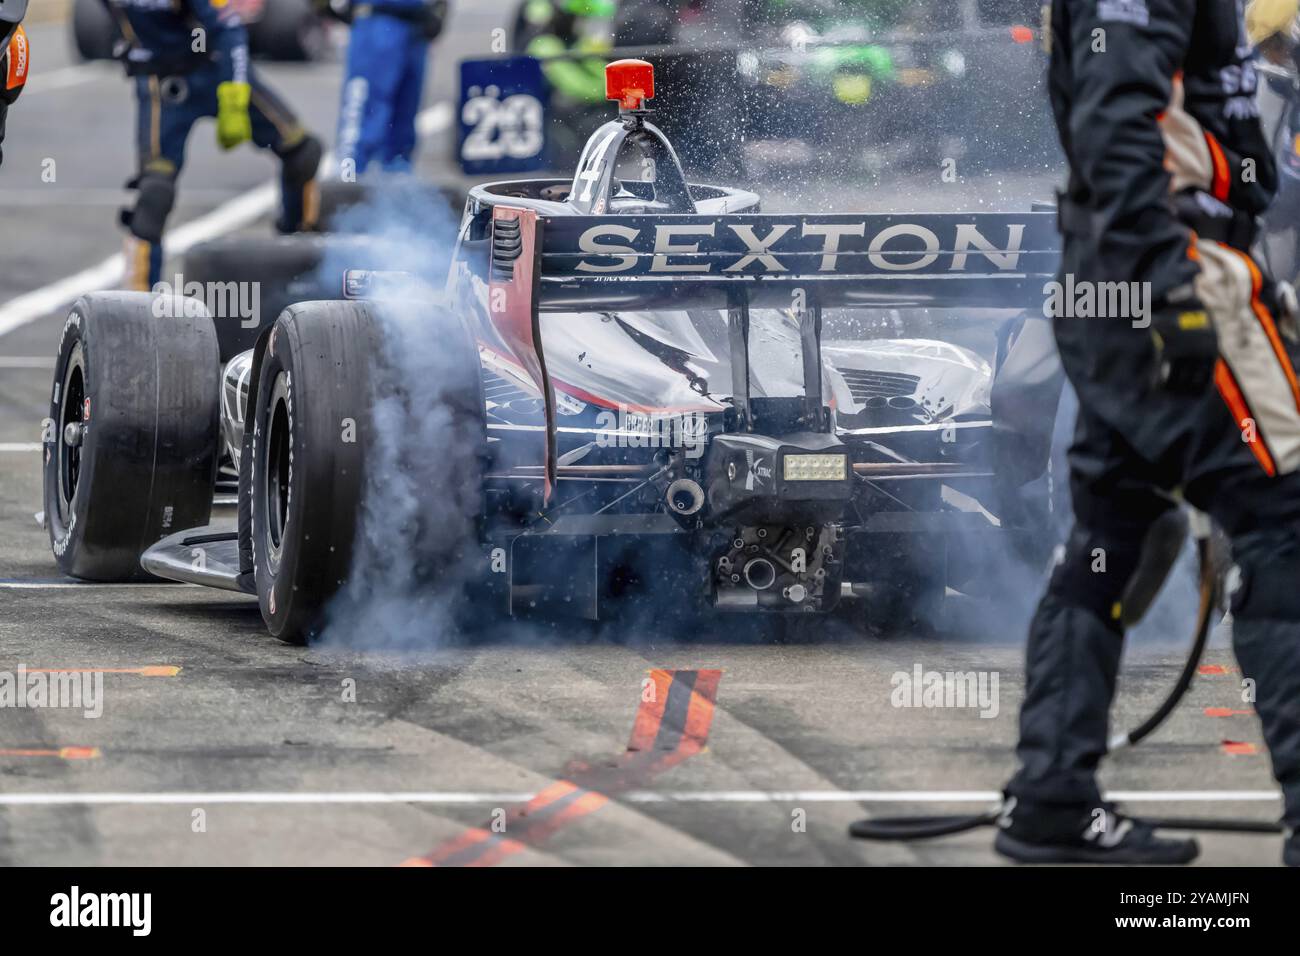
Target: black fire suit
{"type": "Point", "coordinates": [15, 65]}
{"type": "Point", "coordinates": [1155, 106]}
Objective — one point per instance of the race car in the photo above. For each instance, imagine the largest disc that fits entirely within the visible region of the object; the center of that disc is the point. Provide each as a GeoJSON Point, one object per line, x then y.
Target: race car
{"type": "Point", "coordinates": [621, 399]}
{"type": "Point", "coordinates": [277, 29]}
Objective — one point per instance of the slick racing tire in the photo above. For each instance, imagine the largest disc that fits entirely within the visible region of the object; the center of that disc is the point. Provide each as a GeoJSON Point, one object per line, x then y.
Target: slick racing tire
{"type": "Point", "coordinates": [94, 31]}
{"type": "Point", "coordinates": [131, 441]}
{"type": "Point", "coordinates": [288, 30]}
{"type": "Point", "coordinates": [326, 368]}
{"type": "Point", "coordinates": [264, 276]}
{"type": "Point", "coordinates": [305, 480]}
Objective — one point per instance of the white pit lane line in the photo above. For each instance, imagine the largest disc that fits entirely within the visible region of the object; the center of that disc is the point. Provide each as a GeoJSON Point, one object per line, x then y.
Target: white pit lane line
{"type": "Point", "coordinates": [81, 585]}
{"type": "Point", "coordinates": [27, 361]}
{"type": "Point", "coordinates": [634, 796]}
{"type": "Point", "coordinates": [67, 76]}
{"type": "Point", "coordinates": [19, 447]}
{"type": "Point", "coordinates": [235, 214]}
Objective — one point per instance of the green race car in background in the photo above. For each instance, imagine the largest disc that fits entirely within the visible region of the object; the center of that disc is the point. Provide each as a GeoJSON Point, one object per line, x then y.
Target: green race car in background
{"type": "Point", "coordinates": [767, 84]}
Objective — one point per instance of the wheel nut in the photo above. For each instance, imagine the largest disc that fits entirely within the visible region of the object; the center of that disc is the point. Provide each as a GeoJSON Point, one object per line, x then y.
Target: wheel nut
{"type": "Point", "coordinates": [72, 434]}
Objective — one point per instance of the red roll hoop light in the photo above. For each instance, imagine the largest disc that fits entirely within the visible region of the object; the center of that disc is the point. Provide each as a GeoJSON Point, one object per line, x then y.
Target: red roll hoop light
{"type": "Point", "coordinates": [631, 82]}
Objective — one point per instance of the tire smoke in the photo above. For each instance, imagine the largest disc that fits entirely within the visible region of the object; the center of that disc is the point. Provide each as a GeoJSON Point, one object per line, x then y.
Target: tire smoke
{"type": "Point", "coordinates": [416, 549]}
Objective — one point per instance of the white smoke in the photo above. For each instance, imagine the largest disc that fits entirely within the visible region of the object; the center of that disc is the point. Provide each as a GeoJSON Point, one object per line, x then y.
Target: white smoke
{"type": "Point", "coordinates": [416, 549]}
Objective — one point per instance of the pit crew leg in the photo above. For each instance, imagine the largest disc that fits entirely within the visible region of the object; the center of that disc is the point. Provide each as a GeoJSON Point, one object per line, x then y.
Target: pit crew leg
{"type": "Point", "coordinates": [166, 110]}
{"type": "Point", "coordinates": [1072, 660]}
{"type": "Point", "coordinates": [299, 191]}
{"type": "Point", "coordinates": [275, 127]}
{"type": "Point", "coordinates": [156, 194]}
{"type": "Point", "coordinates": [375, 61]}
{"type": "Point", "coordinates": [1266, 638]}
{"type": "Point", "coordinates": [1076, 637]}
{"type": "Point", "coordinates": [400, 146]}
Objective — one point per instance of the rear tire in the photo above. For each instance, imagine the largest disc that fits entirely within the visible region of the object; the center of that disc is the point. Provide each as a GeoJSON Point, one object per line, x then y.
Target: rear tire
{"type": "Point", "coordinates": [283, 270]}
{"type": "Point", "coordinates": [306, 466]}
{"type": "Point", "coordinates": [94, 31]}
{"type": "Point", "coordinates": [142, 392]}
{"type": "Point", "coordinates": [288, 30]}
{"type": "Point", "coordinates": [327, 367]}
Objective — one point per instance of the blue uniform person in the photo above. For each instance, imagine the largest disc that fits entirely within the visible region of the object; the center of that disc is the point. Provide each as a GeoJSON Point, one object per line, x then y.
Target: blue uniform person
{"type": "Point", "coordinates": [189, 60]}
{"type": "Point", "coordinates": [387, 57]}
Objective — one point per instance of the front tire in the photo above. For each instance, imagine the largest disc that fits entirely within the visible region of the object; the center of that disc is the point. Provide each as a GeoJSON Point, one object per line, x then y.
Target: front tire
{"type": "Point", "coordinates": [131, 441]}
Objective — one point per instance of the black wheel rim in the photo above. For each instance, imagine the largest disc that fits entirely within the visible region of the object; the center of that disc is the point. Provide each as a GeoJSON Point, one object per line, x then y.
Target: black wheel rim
{"type": "Point", "coordinates": [277, 466]}
{"type": "Point", "coordinates": [71, 411]}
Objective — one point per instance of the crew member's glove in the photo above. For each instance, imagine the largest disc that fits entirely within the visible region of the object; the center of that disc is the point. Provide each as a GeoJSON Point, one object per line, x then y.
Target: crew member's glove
{"type": "Point", "coordinates": [1187, 348]}
{"type": "Point", "coordinates": [234, 126]}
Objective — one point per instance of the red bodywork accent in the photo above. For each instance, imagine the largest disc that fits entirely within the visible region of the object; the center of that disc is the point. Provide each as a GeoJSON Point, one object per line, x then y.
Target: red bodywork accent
{"type": "Point", "coordinates": [631, 82]}
{"type": "Point", "coordinates": [512, 309]}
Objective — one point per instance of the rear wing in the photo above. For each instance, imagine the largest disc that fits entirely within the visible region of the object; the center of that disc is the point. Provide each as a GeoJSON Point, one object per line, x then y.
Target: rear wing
{"type": "Point", "coordinates": [567, 263]}
{"type": "Point", "coordinates": [939, 260]}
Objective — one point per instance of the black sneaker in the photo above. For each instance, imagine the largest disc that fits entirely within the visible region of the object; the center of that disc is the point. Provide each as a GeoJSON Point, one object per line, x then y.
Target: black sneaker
{"type": "Point", "coordinates": [1291, 849]}
{"type": "Point", "coordinates": [1083, 835]}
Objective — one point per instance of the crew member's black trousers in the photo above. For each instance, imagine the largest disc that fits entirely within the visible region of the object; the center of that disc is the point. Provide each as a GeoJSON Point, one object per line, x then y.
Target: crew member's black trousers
{"type": "Point", "coordinates": [1226, 451]}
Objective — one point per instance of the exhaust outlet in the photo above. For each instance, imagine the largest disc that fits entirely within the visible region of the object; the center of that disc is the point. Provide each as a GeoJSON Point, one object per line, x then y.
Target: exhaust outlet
{"type": "Point", "coordinates": [760, 574]}
{"type": "Point", "coordinates": [685, 497]}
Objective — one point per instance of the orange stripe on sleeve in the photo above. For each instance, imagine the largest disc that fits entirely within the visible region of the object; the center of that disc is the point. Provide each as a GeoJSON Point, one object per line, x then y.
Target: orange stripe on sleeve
{"type": "Point", "coordinates": [1270, 327]}
{"type": "Point", "coordinates": [1236, 402]}
{"type": "Point", "coordinates": [1222, 176]}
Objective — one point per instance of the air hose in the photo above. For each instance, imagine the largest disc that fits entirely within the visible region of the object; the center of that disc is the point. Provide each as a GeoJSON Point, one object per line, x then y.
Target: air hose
{"type": "Point", "coordinates": [928, 827]}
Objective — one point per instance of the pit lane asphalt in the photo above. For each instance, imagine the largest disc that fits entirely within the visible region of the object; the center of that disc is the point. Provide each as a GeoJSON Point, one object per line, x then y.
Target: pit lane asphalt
{"type": "Point", "coordinates": [803, 738]}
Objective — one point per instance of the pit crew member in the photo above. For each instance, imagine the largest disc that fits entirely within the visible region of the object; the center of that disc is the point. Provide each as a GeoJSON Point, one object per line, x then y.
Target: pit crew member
{"type": "Point", "coordinates": [387, 58]}
{"type": "Point", "coordinates": [1169, 169]}
{"type": "Point", "coordinates": [189, 60]}
{"type": "Point", "coordinates": [15, 59]}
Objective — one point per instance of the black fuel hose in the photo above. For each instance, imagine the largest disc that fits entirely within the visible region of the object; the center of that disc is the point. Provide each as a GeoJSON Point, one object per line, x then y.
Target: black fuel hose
{"type": "Point", "coordinates": [928, 827]}
{"type": "Point", "coordinates": [1209, 600]}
